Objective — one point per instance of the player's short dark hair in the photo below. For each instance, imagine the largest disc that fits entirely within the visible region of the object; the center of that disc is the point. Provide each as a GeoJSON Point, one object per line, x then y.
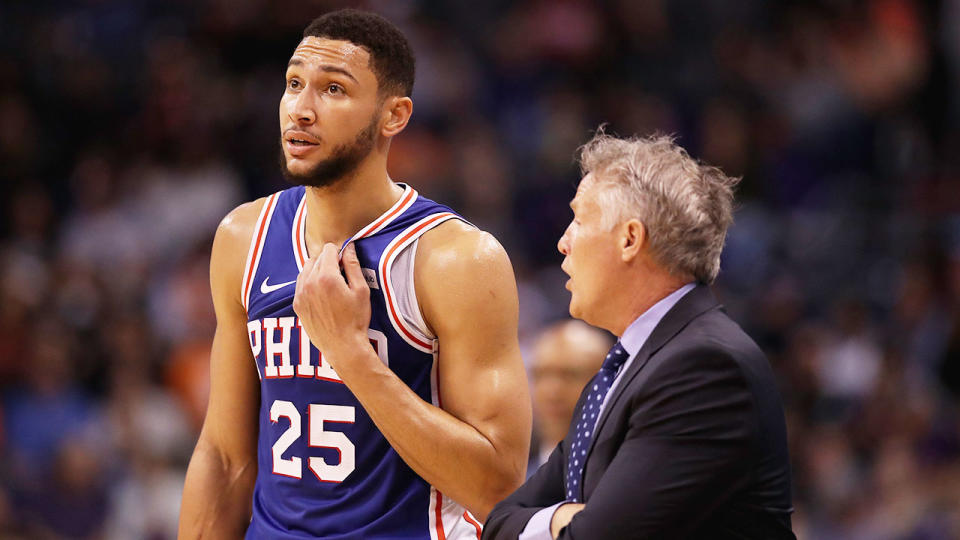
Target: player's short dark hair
{"type": "Point", "coordinates": [391, 58]}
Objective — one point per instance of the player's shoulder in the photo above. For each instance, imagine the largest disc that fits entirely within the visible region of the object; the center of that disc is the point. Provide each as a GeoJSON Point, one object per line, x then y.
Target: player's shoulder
{"type": "Point", "coordinates": [462, 273]}
{"type": "Point", "coordinates": [232, 240]}
{"type": "Point", "coordinates": [456, 245]}
{"type": "Point", "coordinates": [239, 223]}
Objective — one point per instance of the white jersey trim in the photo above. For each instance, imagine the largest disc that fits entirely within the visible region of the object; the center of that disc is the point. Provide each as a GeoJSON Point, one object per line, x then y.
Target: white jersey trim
{"type": "Point", "coordinates": [405, 201]}
{"type": "Point", "coordinates": [299, 227]}
{"type": "Point", "coordinates": [298, 233]}
{"type": "Point", "coordinates": [257, 242]}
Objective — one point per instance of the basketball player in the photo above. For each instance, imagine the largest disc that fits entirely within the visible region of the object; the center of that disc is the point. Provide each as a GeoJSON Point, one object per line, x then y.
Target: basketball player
{"type": "Point", "coordinates": [366, 380]}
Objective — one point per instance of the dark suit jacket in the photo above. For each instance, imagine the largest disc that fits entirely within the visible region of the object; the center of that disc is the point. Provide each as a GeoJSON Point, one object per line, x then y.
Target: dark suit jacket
{"type": "Point", "coordinates": [691, 443]}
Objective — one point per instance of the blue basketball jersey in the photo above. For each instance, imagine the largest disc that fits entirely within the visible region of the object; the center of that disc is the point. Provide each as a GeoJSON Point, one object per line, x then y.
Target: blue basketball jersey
{"type": "Point", "coordinates": [325, 470]}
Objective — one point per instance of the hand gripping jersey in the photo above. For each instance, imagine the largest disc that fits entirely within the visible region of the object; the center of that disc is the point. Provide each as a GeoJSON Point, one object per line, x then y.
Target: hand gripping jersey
{"type": "Point", "coordinates": [325, 470]}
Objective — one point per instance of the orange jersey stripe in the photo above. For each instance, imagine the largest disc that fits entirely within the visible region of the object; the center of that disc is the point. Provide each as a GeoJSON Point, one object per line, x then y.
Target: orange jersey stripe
{"type": "Point", "coordinates": [256, 250]}
{"type": "Point", "coordinates": [470, 520]}
{"type": "Point", "coordinates": [441, 535]}
{"type": "Point", "coordinates": [373, 226]}
{"type": "Point", "coordinates": [301, 249]}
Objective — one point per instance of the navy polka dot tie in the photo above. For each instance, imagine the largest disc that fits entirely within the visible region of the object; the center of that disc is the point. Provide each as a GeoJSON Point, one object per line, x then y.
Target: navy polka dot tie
{"type": "Point", "coordinates": [583, 431]}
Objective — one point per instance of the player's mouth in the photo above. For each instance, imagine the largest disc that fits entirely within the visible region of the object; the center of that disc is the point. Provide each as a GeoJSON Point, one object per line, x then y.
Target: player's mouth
{"type": "Point", "coordinates": [299, 143]}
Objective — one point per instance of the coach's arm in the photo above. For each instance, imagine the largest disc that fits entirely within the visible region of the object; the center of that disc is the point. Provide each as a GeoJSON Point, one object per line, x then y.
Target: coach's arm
{"type": "Point", "coordinates": [217, 495]}
{"type": "Point", "coordinates": [691, 443]}
{"type": "Point", "coordinates": [542, 490]}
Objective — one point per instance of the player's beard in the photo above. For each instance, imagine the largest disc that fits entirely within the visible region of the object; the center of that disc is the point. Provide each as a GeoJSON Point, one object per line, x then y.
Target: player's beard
{"type": "Point", "coordinates": [342, 161]}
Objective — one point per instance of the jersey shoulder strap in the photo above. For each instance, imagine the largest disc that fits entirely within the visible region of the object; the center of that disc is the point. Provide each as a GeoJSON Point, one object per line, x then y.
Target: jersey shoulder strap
{"type": "Point", "coordinates": [279, 209]}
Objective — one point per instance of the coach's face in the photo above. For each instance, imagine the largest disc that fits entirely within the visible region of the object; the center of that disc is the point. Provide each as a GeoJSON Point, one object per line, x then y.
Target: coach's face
{"type": "Point", "coordinates": [329, 109]}
{"type": "Point", "coordinates": [591, 256]}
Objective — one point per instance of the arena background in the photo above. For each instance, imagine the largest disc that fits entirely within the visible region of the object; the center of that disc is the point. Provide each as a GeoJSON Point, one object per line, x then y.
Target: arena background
{"type": "Point", "coordinates": [129, 128]}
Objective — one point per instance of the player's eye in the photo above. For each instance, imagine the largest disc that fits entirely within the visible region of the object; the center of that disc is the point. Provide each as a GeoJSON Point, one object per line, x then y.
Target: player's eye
{"type": "Point", "coordinates": [293, 84]}
{"type": "Point", "coordinates": [335, 89]}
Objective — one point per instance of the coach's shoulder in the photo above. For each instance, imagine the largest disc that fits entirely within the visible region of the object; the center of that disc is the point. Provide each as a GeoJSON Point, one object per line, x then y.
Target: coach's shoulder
{"type": "Point", "coordinates": [712, 346]}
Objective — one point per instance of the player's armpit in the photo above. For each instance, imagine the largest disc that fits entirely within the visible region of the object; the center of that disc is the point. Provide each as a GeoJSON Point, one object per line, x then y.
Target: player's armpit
{"type": "Point", "coordinates": [219, 484]}
{"type": "Point", "coordinates": [468, 295]}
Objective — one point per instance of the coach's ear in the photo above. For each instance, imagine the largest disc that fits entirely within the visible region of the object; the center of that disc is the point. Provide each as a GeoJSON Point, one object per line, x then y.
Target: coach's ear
{"type": "Point", "coordinates": [633, 239]}
{"type": "Point", "coordinates": [397, 111]}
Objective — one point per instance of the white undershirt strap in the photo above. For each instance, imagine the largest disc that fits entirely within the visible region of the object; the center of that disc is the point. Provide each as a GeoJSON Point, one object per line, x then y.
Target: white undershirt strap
{"type": "Point", "coordinates": [398, 283]}
{"type": "Point", "coordinates": [401, 277]}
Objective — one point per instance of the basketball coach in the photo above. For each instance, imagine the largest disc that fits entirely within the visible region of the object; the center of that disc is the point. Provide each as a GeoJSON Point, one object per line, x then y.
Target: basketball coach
{"type": "Point", "coordinates": [681, 433]}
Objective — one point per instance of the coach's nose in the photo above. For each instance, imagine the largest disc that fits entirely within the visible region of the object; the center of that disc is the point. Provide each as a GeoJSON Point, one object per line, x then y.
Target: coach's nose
{"type": "Point", "coordinates": [563, 245]}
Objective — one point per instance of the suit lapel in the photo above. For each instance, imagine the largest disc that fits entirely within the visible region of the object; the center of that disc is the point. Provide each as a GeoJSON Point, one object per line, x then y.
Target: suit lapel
{"type": "Point", "coordinates": [695, 302]}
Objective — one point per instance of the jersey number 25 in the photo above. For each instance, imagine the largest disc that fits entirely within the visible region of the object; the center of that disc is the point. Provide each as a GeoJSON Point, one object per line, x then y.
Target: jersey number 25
{"type": "Point", "coordinates": [317, 437]}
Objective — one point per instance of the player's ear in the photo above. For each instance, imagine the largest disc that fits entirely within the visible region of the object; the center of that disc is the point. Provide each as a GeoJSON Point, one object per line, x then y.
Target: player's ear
{"type": "Point", "coordinates": [396, 111]}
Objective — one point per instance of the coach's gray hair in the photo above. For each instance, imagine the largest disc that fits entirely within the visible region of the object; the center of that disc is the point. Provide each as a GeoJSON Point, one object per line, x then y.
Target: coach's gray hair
{"type": "Point", "coordinates": [685, 206]}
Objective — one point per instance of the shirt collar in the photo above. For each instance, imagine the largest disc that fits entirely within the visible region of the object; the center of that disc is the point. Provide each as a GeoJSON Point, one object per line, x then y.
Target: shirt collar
{"type": "Point", "coordinates": [640, 329]}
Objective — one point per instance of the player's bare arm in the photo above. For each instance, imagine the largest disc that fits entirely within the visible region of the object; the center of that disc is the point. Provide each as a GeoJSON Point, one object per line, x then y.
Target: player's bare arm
{"type": "Point", "coordinates": [219, 484]}
{"type": "Point", "coordinates": [474, 447]}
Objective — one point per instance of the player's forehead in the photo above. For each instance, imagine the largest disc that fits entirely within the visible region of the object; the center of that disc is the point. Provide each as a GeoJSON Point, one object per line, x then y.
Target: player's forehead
{"type": "Point", "coordinates": [315, 51]}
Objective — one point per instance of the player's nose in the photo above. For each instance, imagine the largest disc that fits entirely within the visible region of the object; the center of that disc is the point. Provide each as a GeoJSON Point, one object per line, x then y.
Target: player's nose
{"type": "Point", "coordinates": [303, 108]}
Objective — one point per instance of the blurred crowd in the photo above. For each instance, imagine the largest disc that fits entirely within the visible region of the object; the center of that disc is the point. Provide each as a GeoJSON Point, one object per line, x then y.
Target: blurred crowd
{"type": "Point", "coordinates": [128, 128]}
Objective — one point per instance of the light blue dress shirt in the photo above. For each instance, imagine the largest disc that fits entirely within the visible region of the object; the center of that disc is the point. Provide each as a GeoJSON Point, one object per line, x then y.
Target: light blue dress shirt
{"type": "Point", "coordinates": [633, 338]}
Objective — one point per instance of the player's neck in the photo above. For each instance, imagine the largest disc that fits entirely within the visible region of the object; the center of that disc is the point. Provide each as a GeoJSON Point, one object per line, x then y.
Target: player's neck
{"type": "Point", "coordinates": [337, 212]}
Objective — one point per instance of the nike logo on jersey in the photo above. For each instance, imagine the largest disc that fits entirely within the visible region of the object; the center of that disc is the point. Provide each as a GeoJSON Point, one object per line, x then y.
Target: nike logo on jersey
{"type": "Point", "coordinates": [267, 289]}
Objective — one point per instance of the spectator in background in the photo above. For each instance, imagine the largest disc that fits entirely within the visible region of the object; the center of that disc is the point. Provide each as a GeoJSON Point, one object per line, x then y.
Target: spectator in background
{"type": "Point", "coordinates": [560, 368]}
{"type": "Point", "coordinates": [49, 408]}
{"type": "Point", "coordinates": [71, 500]}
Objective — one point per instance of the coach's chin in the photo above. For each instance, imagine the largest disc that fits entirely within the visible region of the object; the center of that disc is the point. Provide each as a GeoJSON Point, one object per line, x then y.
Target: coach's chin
{"type": "Point", "coordinates": [681, 434]}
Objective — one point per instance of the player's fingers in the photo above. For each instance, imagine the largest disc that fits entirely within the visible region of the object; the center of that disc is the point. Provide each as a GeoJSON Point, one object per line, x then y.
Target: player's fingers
{"type": "Point", "coordinates": [329, 263]}
{"type": "Point", "coordinates": [305, 273]}
{"type": "Point", "coordinates": [351, 267]}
